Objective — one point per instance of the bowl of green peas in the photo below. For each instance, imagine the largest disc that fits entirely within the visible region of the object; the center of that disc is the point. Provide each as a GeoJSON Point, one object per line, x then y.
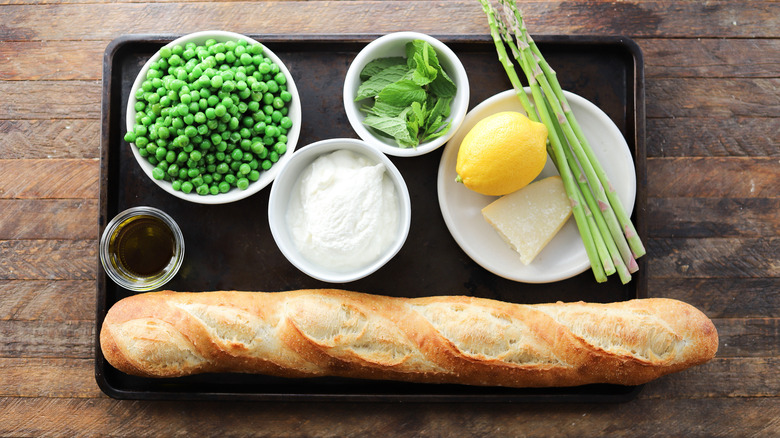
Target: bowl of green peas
{"type": "Point", "coordinates": [212, 116]}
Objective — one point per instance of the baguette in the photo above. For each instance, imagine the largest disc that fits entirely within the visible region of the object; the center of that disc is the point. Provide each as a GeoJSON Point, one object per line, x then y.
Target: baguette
{"type": "Point", "coordinates": [439, 339]}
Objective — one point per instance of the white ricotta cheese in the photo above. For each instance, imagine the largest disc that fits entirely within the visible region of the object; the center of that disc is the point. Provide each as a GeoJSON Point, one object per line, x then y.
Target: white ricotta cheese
{"type": "Point", "coordinates": [343, 212]}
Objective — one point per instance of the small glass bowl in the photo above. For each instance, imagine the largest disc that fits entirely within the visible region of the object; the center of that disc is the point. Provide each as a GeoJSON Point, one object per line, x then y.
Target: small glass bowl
{"type": "Point", "coordinates": [115, 267]}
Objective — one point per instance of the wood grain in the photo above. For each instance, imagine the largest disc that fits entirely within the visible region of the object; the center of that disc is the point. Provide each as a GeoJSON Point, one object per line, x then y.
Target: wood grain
{"type": "Point", "coordinates": [737, 377]}
{"type": "Point", "coordinates": [48, 259]}
{"type": "Point", "coordinates": [716, 98]}
{"type": "Point", "coordinates": [49, 179]}
{"type": "Point", "coordinates": [51, 60]}
{"type": "Point", "coordinates": [713, 217]}
{"type": "Point", "coordinates": [713, 19]}
{"type": "Point", "coordinates": [664, 58]}
{"type": "Point", "coordinates": [713, 178]}
{"type": "Point", "coordinates": [25, 100]}
{"type": "Point", "coordinates": [50, 138]}
{"type": "Point", "coordinates": [710, 58]}
{"type": "Point", "coordinates": [49, 219]}
{"type": "Point", "coordinates": [723, 298]}
{"type": "Point", "coordinates": [47, 300]}
{"type": "Point", "coordinates": [713, 137]}
{"type": "Point", "coordinates": [717, 257]}
{"type": "Point", "coordinates": [47, 339]}
{"type": "Point", "coordinates": [58, 377]}
{"type": "Point", "coordinates": [645, 417]}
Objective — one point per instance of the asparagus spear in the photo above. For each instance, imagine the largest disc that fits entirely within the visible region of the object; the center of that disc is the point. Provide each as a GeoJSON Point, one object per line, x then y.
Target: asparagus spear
{"type": "Point", "coordinates": [598, 190]}
{"type": "Point", "coordinates": [609, 230]}
{"type": "Point", "coordinates": [612, 206]}
{"type": "Point", "coordinates": [568, 179]}
{"type": "Point", "coordinates": [628, 227]}
{"type": "Point", "coordinates": [607, 251]}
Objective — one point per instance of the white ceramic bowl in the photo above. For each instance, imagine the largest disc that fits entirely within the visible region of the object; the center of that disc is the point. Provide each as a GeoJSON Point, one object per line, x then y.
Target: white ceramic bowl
{"type": "Point", "coordinates": [281, 194]}
{"type": "Point", "coordinates": [294, 113]}
{"type": "Point", "coordinates": [394, 45]}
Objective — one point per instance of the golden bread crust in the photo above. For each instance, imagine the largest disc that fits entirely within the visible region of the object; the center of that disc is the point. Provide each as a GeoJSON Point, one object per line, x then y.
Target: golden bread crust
{"type": "Point", "coordinates": [441, 339]}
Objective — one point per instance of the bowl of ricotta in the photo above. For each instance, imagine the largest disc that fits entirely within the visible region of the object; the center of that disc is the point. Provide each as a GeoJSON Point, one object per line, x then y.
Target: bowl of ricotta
{"type": "Point", "coordinates": [339, 210]}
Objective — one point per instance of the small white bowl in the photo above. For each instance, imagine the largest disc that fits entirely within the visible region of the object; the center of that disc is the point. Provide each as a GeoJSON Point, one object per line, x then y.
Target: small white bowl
{"type": "Point", "coordinates": [294, 113]}
{"type": "Point", "coordinates": [394, 45]}
{"type": "Point", "coordinates": [280, 196]}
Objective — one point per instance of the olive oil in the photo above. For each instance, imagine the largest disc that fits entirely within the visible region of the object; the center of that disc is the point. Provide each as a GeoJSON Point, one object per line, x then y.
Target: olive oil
{"type": "Point", "coordinates": [143, 246]}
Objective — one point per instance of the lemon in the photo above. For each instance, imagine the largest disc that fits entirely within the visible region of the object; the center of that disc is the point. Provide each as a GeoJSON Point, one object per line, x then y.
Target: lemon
{"type": "Point", "coordinates": [502, 153]}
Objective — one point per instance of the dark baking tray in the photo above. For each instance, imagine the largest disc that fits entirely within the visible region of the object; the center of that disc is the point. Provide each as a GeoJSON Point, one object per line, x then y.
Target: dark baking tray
{"type": "Point", "coordinates": [230, 246]}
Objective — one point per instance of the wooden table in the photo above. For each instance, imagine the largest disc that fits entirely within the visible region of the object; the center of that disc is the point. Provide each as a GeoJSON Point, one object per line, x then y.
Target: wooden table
{"type": "Point", "coordinates": [713, 173]}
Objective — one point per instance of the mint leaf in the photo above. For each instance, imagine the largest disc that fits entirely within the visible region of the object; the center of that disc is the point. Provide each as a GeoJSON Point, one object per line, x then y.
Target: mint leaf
{"type": "Point", "coordinates": [394, 127]}
{"type": "Point", "coordinates": [443, 86]}
{"type": "Point", "coordinates": [384, 109]}
{"type": "Point", "coordinates": [377, 65]}
{"type": "Point", "coordinates": [410, 96]}
{"type": "Point", "coordinates": [426, 51]}
{"type": "Point", "coordinates": [423, 74]}
{"type": "Point", "coordinates": [441, 109]}
{"type": "Point", "coordinates": [402, 93]}
{"type": "Point", "coordinates": [380, 80]}
{"type": "Point", "coordinates": [437, 130]}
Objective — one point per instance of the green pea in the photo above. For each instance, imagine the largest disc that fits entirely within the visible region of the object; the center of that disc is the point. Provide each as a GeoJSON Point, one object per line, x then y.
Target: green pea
{"type": "Point", "coordinates": [158, 173]}
{"type": "Point", "coordinates": [258, 148]}
{"type": "Point", "coordinates": [160, 153]}
{"type": "Point", "coordinates": [242, 183]}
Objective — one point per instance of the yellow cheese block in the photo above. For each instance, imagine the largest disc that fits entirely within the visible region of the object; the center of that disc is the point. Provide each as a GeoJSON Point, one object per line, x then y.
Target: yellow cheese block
{"type": "Point", "coordinates": [529, 218]}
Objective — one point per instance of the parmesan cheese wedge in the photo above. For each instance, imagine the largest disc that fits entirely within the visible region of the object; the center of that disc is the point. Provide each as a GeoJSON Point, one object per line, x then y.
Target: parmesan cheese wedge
{"type": "Point", "coordinates": [529, 218]}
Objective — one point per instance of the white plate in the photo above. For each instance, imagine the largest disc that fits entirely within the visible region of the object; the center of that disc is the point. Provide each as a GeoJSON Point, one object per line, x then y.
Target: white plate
{"type": "Point", "coordinates": [564, 256]}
